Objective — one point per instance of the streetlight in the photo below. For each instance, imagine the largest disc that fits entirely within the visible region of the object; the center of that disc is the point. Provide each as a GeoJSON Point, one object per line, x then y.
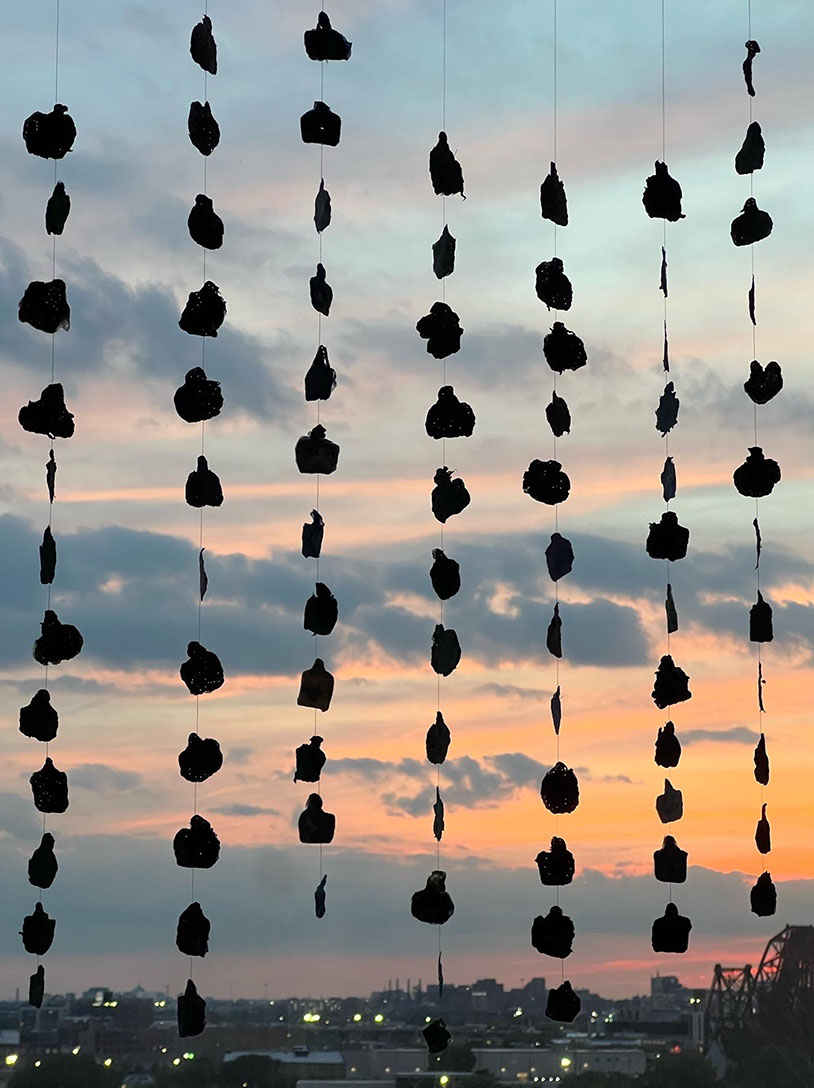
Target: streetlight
{"type": "Point", "coordinates": [108, 1062]}
{"type": "Point", "coordinates": [378, 1018]}
{"type": "Point", "coordinates": [565, 1062]}
{"type": "Point", "coordinates": [357, 1016]}
{"type": "Point", "coordinates": [75, 1051]}
{"type": "Point", "coordinates": [11, 1059]}
{"type": "Point", "coordinates": [443, 1080]}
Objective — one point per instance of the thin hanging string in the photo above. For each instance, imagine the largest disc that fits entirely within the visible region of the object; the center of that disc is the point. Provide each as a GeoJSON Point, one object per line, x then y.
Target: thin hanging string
{"type": "Point", "coordinates": [556, 318]}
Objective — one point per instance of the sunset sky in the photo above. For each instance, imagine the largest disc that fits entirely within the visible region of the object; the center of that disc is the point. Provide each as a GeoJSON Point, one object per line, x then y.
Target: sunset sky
{"type": "Point", "coordinates": [127, 572]}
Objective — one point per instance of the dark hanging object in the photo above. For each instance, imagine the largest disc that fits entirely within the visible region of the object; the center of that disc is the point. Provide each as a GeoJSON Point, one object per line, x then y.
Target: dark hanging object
{"type": "Point", "coordinates": [443, 254]}
{"type": "Point", "coordinates": [558, 416]}
{"type": "Point", "coordinates": [756, 477]}
{"type": "Point", "coordinates": [667, 411]}
{"type": "Point", "coordinates": [50, 475]}
{"type": "Point", "coordinates": [763, 896]}
{"type": "Point", "coordinates": [760, 683]}
{"type": "Point", "coordinates": [546, 482]}
{"type": "Point", "coordinates": [316, 686]}
{"type": "Point", "coordinates": [668, 480]}
{"type": "Point", "coordinates": [433, 903]}
{"type": "Point", "coordinates": [752, 50]}
{"type": "Point", "coordinates": [312, 536]}
{"type": "Point", "coordinates": [191, 1012]}
{"type": "Point", "coordinates": [563, 349]}
{"type": "Point", "coordinates": [205, 225]}
{"type": "Point", "coordinates": [560, 789]}
{"type": "Point", "coordinates": [320, 379]}
{"type": "Point", "coordinates": [320, 126]}
{"type": "Point", "coordinates": [438, 740]}
{"type": "Point", "coordinates": [758, 542]}
{"type": "Point", "coordinates": [752, 225]}
{"type": "Point", "coordinates": [553, 935]}
{"type": "Point", "coordinates": [440, 975]}
{"type": "Point", "coordinates": [751, 302]}
{"type": "Point", "coordinates": [38, 931]}
{"type": "Point", "coordinates": [672, 684]}
{"type": "Point", "coordinates": [446, 650]}
{"type": "Point", "coordinates": [204, 312]}
{"type": "Point", "coordinates": [763, 384]}
{"type": "Point", "coordinates": [760, 621]}
{"type": "Point", "coordinates": [192, 934]}
{"type": "Point", "coordinates": [315, 825]}
{"type": "Point", "coordinates": [48, 415]}
{"type": "Point", "coordinates": [325, 43]}
{"type": "Point", "coordinates": [36, 988]}
{"type": "Point", "coordinates": [763, 833]}
{"type": "Point", "coordinates": [204, 131]}
{"type": "Point", "coordinates": [57, 209]}
{"type": "Point", "coordinates": [58, 642]}
{"type": "Point", "coordinates": [202, 672]}
{"type": "Point", "coordinates": [49, 135]}
{"type": "Point", "coordinates": [667, 539]}
{"type": "Point", "coordinates": [48, 557]}
{"type": "Point", "coordinates": [322, 208]}
{"type": "Point", "coordinates": [203, 486]}
{"type": "Point", "coordinates": [438, 816]}
{"type": "Point", "coordinates": [750, 156]}
{"type": "Point", "coordinates": [553, 638]}
{"type": "Point", "coordinates": [202, 46]}
{"type": "Point", "coordinates": [563, 1004]}
{"type": "Point", "coordinates": [662, 195]}
{"type": "Point", "coordinates": [321, 611]}
{"type": "Point", "coordinates": [671, 932]}
{"type": "Point", "coordinates": [556, 710]}
{"type": "Point", "coordinates": [436, 1036]}
{"type": "Point", "coordinates": [39, 720]}
{"type": "Point", "coordinates": [203, 580]}
{"type": "Point", "coordinates": [668, 747]}
{"type": "Point", "coordinates": [319, 897]}
{"type": "Point", "coordinates": [559, 557]}
{"type": "Point", "coordinates": [50, 788]}
{"type": "Point", "coordinates": [552, 285]}
{"type": "Point", "coordinates": [670, 863]}
{"type": "Point", "coordinates": [449, 497]}
{"type": "Point", "coordinates": [200, 759]}
{"type": "Point", "coordinates": [42, 865]}
{"type": "Point", "coordinates": [553, 202]}
{"type": "Point", "coordinates": [315, 453]}
{"type": "Point", "coordinates": [441, 328]}
{"type": "Point", "coordinates": [445, 575]}
{"type": "Point", "coordinates": [196, 846]}
{"type": "Point", "coordinates": [670, 611]}
{"type": "Point", "coordinates": [322, 294]}
{"type": "Point", "coordinates": [44, 306]}
{"type": "Point", "coordinates": [556, 866]}
{"type": "Point", "coordinates": [761, 761]}
{"type": "Point", "coordinates": [670, 804]}
{"type": "Point", "coordinates": [663, 275]}
{"type": "Point", "coordinates": [449, 417]}
{"type": "Point", "coordinates": [665, 355]}
{"type": "Point", "coordinates": [445, 171]}
{"type": "Point", "coordinates": [310, 759]}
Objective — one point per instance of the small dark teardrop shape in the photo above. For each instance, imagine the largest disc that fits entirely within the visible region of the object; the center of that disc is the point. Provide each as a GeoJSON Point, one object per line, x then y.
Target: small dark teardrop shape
{"type": "Point", "coordinates": [42, 865]}
{"type": "Point", "coordinates": [752, 50]}
{"type": "Point", "coordinates": [204, 131]}
{"type": "Point", "coordinates": [559, 557]}
{"type": "Point", "coordinates": [205, 225]}
{"type": "Point", "coordinates": [663, 275]}
{"type": "Point", "coordinates": [670, 804]}
{"type": "Point", "coordinates": [315, 825]}
{"type": "Point", "coordinates": [752, 225]}
{"type": "Point", "coordinates": [433, 903]}
{"type": "Point", "coordinates": [763, 384]}
{"type": "Point", "coordinates": [320, 379]}
{"type": "Point", "coordinates": [662, 195]}
{"type": "Point", "coordinates": [563, 349]}
{"type": "Point", "coordinates": [763, 897]}
{"type": "Point", "coordinates": [443, 254]}
{"type": "Point", "coordinates": [51, 475]}
{"type": "Point", "coordinates": [58, 642]}
{"type": "Point", "coordinates": [553, 202]}
{"type": "Point", "coordinates": [438, 816]}
{"type": "Point", "coordinates": [553, 935]}
{"type": "Point", "coordinates": [199, 398]}
{"type": "Point", "coordinates": [321, 126]}
{"type": "Point", "coordinates": [670, 611]}
{"type": "Point", "coordinates": [57, 210]}
{"type": "Point", "coordinates": [203, 486]}
{"type": "Point", "coordinates": [760, 621]}
{"type": "Point", "coordinates": [563, 1005]}
{"type": "Point", "coordinates": [757, 476]}
{"type": "Point", "coordinates": [446, 650]}
{"type": "Point", "coordinates": [50, 788]}
{"type": "Point", "coordinates": [670, 863]}
{"type": "Point", "coordinates": [310, 759]}
{"type": "Point", "coordinates": [445, 575]}
{"type": "Point", "coordinates": [441, 328]}
{"type": "Point", "coordinates": [321, 611]}
{"type": "Point", "coordinates": [319, 897]}
{"type": "Point", "coordinates": [560, 789]}
{"type": "Point", "coordinates": [192, 933]}
{"type": "Point", "coordinates": [672, 684]}
{"type": "Point", "coordinates": [202, 672]}
{"type": "Point", "coordinates": [48, 557]}
{"type": "Point", "coordinates": [196, 846]}
{"type": "Point", "coordinates": [750, 300]}
{"type": "Point", "coordinates": [445, 171]}
{"type": "Point", "coordinates": [671, 932]}
{"type": "Point", "coordinates": [322, 208]}
{"type": "Point", "coordinates": [49, 135]}
{"type": "Point", "coordinates": [191, 1013]}
{"type": "Point", "coordinates": [449, 497]}
{"type": "Point", "coordinates": [556, 866]}
{"type": "Point", "coordinates": [668, 747]}
{"type": "Point", "coordinates": [449, 417]}
{"type": "Point", "coordinates": [204, 312]}
{"type": "Point", "coordinates": [325, 43]}
{"type": "Point", "coordinates": [667, 411]}
{"type": "Point", "coordinates": [438, 740]}
{"type": "Point", "coordinates": [558, 416]}
{"type": "Point", "coordinates": [316, 686]}
{"type": "Point", "coordinates": [750, 157]}
{"type": "Point", "coordinates": [552, 285]}
{"type": "Point", "coordinates": [44, 306]}
{"type": "Point", "coordinates": [436, 1036]}
{"type": "Point", "coordinates": [761, 761]}
{"type": "Point", "coordinates": [315, 453]}
{"type": "Point", "coordinates": [36, 988]}
{"type": "Point", "coordinates": [48, 415]}
{"type": "Point", "coordinates": [667, 539]}
{"type": "Point", "coordinates": [545, 482]}
{"type": "Point", "coordinates": [202, 46]}
{"type": "Point", "coordinates": [203, 580]}
{"type": "Point", "coordinates": [38, 931]}
{"type": "Point", "coordinates": [200, 759]}
{"type": "Point", "coordinates": [556, 710]}
{"type": "Point", "coordinates": [668, 480]}
{"type": "Point", "coordinates": [763, 833]}
{"type": "Point", "coordinates": [322, 294]}
{"type": "Point", "coordinates": [39, 720]}
{"type": "Point", "coordinates": [312, 536]}
{"type": "Point", "coordinates": [554, 634]}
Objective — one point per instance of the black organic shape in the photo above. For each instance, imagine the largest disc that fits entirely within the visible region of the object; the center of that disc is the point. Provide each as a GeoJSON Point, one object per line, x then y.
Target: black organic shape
{"type": "Point", "coordinates": [761, 758]}
{"type": "Point", "coordinates": [315, 825]}
{"type": "Point", "coordinates": [559, 557]}
{"type": "Point", "coordinates": [756, 477]}
{"type": "Point", "coordinates": [202, 672]}
{"type": "Point", "coordinates": [196, 846]}
{"type": "Point", "coordinates": [546, 482]}
{"type": "Point", "coordinates": [760, 621]}
{"type": "Point", "coordinates": [553, 639]}
{"type": "Point", "coordinates": [667, 411]}
{"type": "Point", "coordinates": [560, 789]}
{"type": "Point", "coordinates": [321, 126]}
{"type": "Point", "coordinates": [191, 1012]}
{"type": "Point", "coordinates": [315, 453]}
{"type": "Point", "coordinates": [751, 302]}
{"type": "Point", "coordinates": [443, 254]}
{"type": "Point", "coordinates": [58, 642]}
{"type": "Point", "coordinates": [558, 416]}
{"type": "Point", "coordinates": [38, 931]}
{"type": "Point", "coordinates": [556, 710]}
{"type": "Point", "coordinates": [48, 415]}
{"type": "Point", "coordinates": [763, 384]}
{"type": "Point", "coordinates": [192, 934]}
{"type": "Point", "coordinates": [321, 292]}
{"type": "Point", "coordinates": [662, 195]}
{"type": "Point", "coordinates": [57, 210]}
{"type": "Point", "coordinates": [449, 497]}
{"type": "Point", "coordinates": [319, 897]}
{"type": "Point", "coordinates": [752, 225]}
{"type": "Point", "coordinates": [202, 46]}
{"type": "Point", "coordinates": [310, 759]}
{"type": "Point", "coordinates": [205, 225]}
{"type": "Point", "coordinates": [663, 276]}
{"type": "Point", "coordinates": [49, 135]}
{"type": "Point", "coordinates": [203, 580]}
{"type": "Point", "coordinates": [760, 683]}
{"type": "Point", "coordinates": [203, 486]}
{"type": "Point", "coordinates": [50, 475]}
{"type": "Point", "coordinates": [44, 306]}
{"type": "Point", "coordinates": [665, 359]}
{"type": "Point", "coordinates": [438, 816]}
{"type": "Point", "coordinates": [449, 417]}
{"type": "Point", "coordinates": [204, 312]}
{"type": "Point", "coordinates": [36, 988]}
{"type": "Point", "coordinates": [48, 557]}
{"type": "Point", "coordinates": [672, 684]}
{"type": "Point", "coordinates": [204, 131]}
{"type": "Point", "coordinates": [436, 1036]}
{"type": "Point", "coordinates": [325, 43]}
{"type": "Point", "coordinates": [763, 897]}
{"type": "Point", "coordinates": [552, 285]}
{"type": "Point", "coordinates": [670, 863]}
{"type": "Point", "coordinates": [39, 720]}
{"type": "Point", "coordinates": [670, 804]}
{"type": "Point", "coordinates": [763, 833]}
{"type": "Point", "coordinates": [557, 865]}
{"type": "Point", "coordinates": [440, 975]}
{"type": "Point", "coordinates": [446, 650]}
{"type": "Point", "coordinates": [670, 611]}
{"type": "Point", "coordinates": [50, 788]}
{"type": "Point", "coordinates": [199, 398]}
{"type": "Point", "coordinates": [553, 935]}
{"type": "Point", "coordinates": [758, 542]}
{"type": "Point", "coordinates": [320, 379]}
{"type": "Point", "coordinates": [200, 759]}
{"type": "Point", "coordinates": [445, 171]}
{"type": "Point", "coordinates": [312, 536]}
{"type": "Point", "coordinates": [752, 50]}
{"type": "Point", "coordinates": [667, 539]}
{"type": "Point", "coordinates": [668, 480]}
{"type": "Point", "coordinates": [553, 202]}
{"type": "Point", "coordinates": [321, 611]}
{"type": "Point", "coordinates": [668, 747]}
{"type": "Point", "coordinates": [671, 932]}
{"type": "Point", "coordinates": [322, 208]}
{"type": "Point", "coordinates": [445, 575]}
{"type": "Point", "coordinates": [750, 157]}
{"type": "Point", "coordinates": [316, 686]}
{"type": "Point", "coordinates": [438, 740]}
{"type": "Point", "coordinates": [441, 328]}
{"type": "Point", "coordinates": [42, 865]}
{"type": "Point", "coordinates": [563, 349]}
{"type": "Point", "coordinates": [563, 1004]}
{"type": "Point", "coordinates": [433, 903]}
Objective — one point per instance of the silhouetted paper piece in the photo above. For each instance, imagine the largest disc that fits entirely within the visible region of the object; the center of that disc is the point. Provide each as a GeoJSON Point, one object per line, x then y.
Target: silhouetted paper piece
{"type": "Point", "coordinates": [48, 557]}
{"type": "Point", "coordinates": [202, 672]}
{"type": "Point", "coordinates": [563, 349]}
{"type": "Point", "coordinates": [558, 416]}
{"type": "Point", "coordinates": [320, 379]}
{"type": "Point", "coordinates": [36, 988]}
{"type": "Point", "coordinates": [50, 788]}
{"type": "Point", "coordinates": [441, 328]}
{"type": "Point", "coordinates": [668, 480]}
{"type": "Point", "coordinates": [322, 208]}
{"type": "Point", "coordinates": [438, 816]}
{"type": "Point", "coordinates": [560, 789]}
{"type": "Point", "coordinates": [546, 482]}
{"type": "Point", "coordinates": [204, 131]}
{"type": "Point", "coordinates": [752, 225]}
{"type": "Point", "coordinates": [667, 411]}
{"type": "Point", "coordinates": [670, 611]}
{"type": "Point", "coordinates": [196, 846]}
{"type": "Point", "coordinates": [670, 863]}
{"type": "Point", "coordinates": [438, 740]}
{"type": "Point", "coordinates": [203, 580]}
{"type": "Point", "coordinates": [760, 621]}
{"type": "Point", "coordinates": [559, 557]}
{"type": "Point", "coordinates": [312, 536]}
{"type": "Point", "coordinates": [203, 486]}
{"type": "Point", "coordinates": [38, 931]}
{"type": "Point", "coordinates": [763, 833]}
{"type": "Point", "coordinates": [57, 210]}
{"type": "Point", "coordinates": [310, 759]}
{"type": "Point", "coordinates": [39, 720]}
{"type": "Point", "coordinates": [50, 475]}
{"type": "Point", "coordinates": [445, 575]}
{"type": "Point", "coordinates": [443, 254]}
{"type": "Point", "coordinates": [325, 43]}
{"type": "Point", "coordinates": [58, 642]}
{"type": "Point", "coordinates": [204, 312]}
{"type": "Point", "coordinates": [205, 225]}
{"type": "Point", "coordinates": [667, 539]}
{"type": "Point", "coordinates": [665, 355]}
{"type": "Point", "coordinates": [315, 825]}
{"type": "Point", "coordinates": [763, 897]}
{"type": "Point", "coordinates": [449, 497]}
{"type": "Point", "coordinates": [192, 934]}
{"type": "Point", "coordinates": [191, 1012]}
{"type": "Point", "coordinates": [563, 1004]}
{"type": "Point", "coordinates": [752, 302]}
{"type": "Point", "coordinates": [440, 975]}
{"type": "Point", "coordinates": [321, 611]}
{"type": "Point", "coordinates": [552, 285]}
{"type": "Point", "coordinates": [662, 195]}
{"type": "Point", "coordinates": [202, 46]}
{"type": "Point", "coordinates": [199, 398]}
{"type": "Point", "coordinates": [752, 50]}
{"type": "Point", "coordinates": [553, 202]}
{"type": "Point", "coordinates": [760, 683]}
{"type": "Point", "coordinates": [556, 711]}
{"type": "Point", "coordinates": [445, 171]}
{"type": "Point", "coordinates": [315, 453]}
{"type": "Point", "coordinates": [758, 542]}
{"type": "Point", "coordinates": [761, 761]}
{"type": "Point", "coordinates": [663, 272]}
{"type": "Point", "coordinates": [433, 904]}
{"type": "Point", "coordinates": [316, 686]}
{"type": "Point", "coordinates": [48, 415]}
{"type": "Point", "coordinates": [763, 384]}
{"type": "Point", "coordinates": [553, 639]}
{"type": "Point", "coordinates": [200, 759]}
{"type": "Point", "coordinates": [44, 306]}
{"type": "Point", "coordinates": [436, 1036]}
{"type": "Point", "coordinates": [672, 684]}
{"type": "Point", "coordinates": [756, 477]}
{"type": "Point", "coordinates": [321, 126]}
{"type": "Point", "coordinates": [753, 149]}
{"type": "Point", "coordinates": [668, 747]}
{"type": "Point", "coordinates": [446, 650]}
{"type": "Point", "coordinates": [42, 865]}
{"type": "Point", "coordinates": [319, 897]}
{"type": "Point", "coordinates": [556, 866]}
{"type": "Point", "coordinates": [49, 135]}
{"type": "Point", "coordinates": [449, 417]}
{"type": "Point", "coordinates": [671, 932]}
{"type": "Point", "coordinates": [321, 292]}
{"type": "Point", "coordinates": [670, 804]}
{"type": "Point", "coordinates": [553, 934]}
